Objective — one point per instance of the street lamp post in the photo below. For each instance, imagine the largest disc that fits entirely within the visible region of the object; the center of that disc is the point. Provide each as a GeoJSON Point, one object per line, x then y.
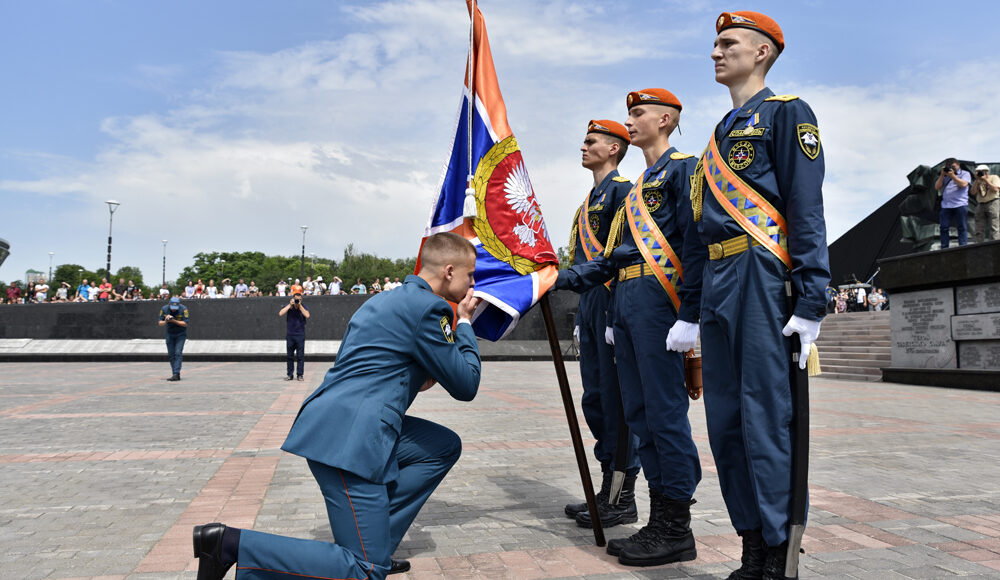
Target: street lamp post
{"type": "Point", "coordinates": [164, 281]}
{"type": "Point", "coordinates": [112, 206]}
{"type": "Point", "coordinates": [302, 264]}
{"type": "Point", "coordinates": [50, 266]}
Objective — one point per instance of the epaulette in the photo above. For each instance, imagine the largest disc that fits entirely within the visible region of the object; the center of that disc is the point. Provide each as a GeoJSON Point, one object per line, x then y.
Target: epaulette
{"type": "Point", "coordinates": [677, 155]}
{"type": "Point", "coordinates": [620, 179]}
{"type": "Point", "coordinates": [782, 98]}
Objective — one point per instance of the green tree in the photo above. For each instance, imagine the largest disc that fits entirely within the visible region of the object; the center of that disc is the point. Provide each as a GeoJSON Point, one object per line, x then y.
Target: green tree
{"type": "Point", "coordinates": [72, 273]}
{"type": "Point", "coordinates": [128, 273]}
{"type": "Point", "coordinates": [563, 255]}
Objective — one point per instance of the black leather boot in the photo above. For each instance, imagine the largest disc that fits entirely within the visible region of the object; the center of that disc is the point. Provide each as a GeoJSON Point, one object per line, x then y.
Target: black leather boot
{"type": "Point", "coordinates": [671, 539]}
{"type": "Point", "coordinates": [774, 565]}
{"type": "Point", "coordinates": [624, 512]}
{"type": "Point", "coordinates": [572, 509]}
{"type": "Point", "coordinates": [618, 545]}
{"type": "Point", "coordinates": [754, 556]}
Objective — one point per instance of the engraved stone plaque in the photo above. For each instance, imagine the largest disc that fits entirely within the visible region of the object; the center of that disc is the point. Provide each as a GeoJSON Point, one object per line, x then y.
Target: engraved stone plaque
{"type": "Point", "coordinates": [978, 299]}
{"type": "Point", "coordinates": [980, 355]}
{"type": "Point", "coordinates": [921, 329]}
{"type": "Point", "coordinates": [975, 326]}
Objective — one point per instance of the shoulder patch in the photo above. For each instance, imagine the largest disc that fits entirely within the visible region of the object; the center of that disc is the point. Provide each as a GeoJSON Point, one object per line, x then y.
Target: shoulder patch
{"type": "Point", "coordinates": [782, 98]}
{"type": "Point", "coordinates": [677, 155]}
{"type": "Point", "coordinates": [809, 139]}
{"type": "Point", "coordinates": [446, 329]}
{"type": "Point", "coordinates": [620, 179]}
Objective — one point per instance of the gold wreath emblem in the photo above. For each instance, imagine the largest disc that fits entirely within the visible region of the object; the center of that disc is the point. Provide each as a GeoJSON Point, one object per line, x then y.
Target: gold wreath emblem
{"type": "Point", "coordinates": [482, 226]}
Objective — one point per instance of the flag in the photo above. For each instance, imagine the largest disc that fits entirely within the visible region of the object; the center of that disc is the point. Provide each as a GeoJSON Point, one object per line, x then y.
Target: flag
{"type": "Point", "coordinates": [515, 262]}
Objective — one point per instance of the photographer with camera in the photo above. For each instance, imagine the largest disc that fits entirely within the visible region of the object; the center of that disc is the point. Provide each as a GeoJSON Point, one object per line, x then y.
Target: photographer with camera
{"type": "Point", "coordinates": [986, 189]}
{"type": "Point", "coordinates": [295, 336]}
{"type": "Point", "coordinates": [175, 317]}
{"type": "Point", "coordinates": [953, 183]}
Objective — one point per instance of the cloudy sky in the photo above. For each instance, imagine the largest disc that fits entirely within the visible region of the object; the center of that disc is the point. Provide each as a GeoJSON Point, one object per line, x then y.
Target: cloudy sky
{"type": "Point", "coordinates": [226, 125]}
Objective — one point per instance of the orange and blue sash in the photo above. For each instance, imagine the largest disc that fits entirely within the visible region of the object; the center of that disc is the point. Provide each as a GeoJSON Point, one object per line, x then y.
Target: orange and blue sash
{"type": "Point", "coordinates": [749, 209]}
{"type": "Point", "coordinates": [652, 244]}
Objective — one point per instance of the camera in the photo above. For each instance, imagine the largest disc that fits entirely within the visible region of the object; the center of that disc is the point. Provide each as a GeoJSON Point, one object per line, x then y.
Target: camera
{"type": "Point", "coordinates": [949, 170]}
{"type": "Point", "coordinates": [298, 300]}
{"type": "Point", "coordinates": [980, 173]}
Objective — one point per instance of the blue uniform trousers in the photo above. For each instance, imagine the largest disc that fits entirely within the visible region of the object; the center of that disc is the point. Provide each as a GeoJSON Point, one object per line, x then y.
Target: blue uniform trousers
{"type": "Point", "coordinates": [747, 394]}
{"type": "Point", "coordinates": [601, 395]}
{"type": "Point", "coordinates": [653, 391]}
{"type": "Point", "coordinates": [175, 350]}
{"type": "Point", "coordinates": [295, 348]}
{"type": "Point", "coordinates": [368, 519]}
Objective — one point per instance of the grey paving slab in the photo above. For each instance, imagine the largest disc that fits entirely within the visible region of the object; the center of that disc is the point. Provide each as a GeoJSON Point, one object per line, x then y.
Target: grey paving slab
{"type": "Point", "coordinates": [105, 465]}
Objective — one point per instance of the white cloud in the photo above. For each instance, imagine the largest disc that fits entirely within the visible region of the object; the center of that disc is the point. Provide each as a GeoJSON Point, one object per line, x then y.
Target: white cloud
{"type": "Point", "coordinates": [348, 135]}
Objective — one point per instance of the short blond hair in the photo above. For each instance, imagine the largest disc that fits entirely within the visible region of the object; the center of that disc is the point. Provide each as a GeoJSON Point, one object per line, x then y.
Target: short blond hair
{"type": "Point", "coordinates": [445, 248]}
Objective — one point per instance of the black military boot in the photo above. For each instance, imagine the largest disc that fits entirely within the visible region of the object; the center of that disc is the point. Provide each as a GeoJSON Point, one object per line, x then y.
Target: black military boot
{"type": "Point", "coordinates": [624, 512]}
{"type": "Point", "coordinates": [671, 539]}
{"type": "Point", "coordinates": [572, 509]}
{"type": "Point", "coordinates": [774, 565]}
{"type": "Point", "coordinates": [754, 556]}
{"type": "Point", "coordinates": [617, 545]}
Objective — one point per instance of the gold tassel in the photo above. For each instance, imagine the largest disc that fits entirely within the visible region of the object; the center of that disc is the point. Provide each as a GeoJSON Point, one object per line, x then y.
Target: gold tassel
{"type": "Point", "coordinates": [615, 235]}
{"type": "Point", "coordinates": [812, 363]}
{"type": "Point", "coordinates": [572, 237]}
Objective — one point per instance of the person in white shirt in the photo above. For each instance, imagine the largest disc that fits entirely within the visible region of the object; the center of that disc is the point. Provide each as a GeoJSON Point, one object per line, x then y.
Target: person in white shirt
{"type": "Point", "coordinates": [164, 292]}
{"type": "Point", "coordinates": [227, 288]}
{"type": "Point", "coordinates": [211, 291]}
{"type": "Point", "coordinates": [281, 286]}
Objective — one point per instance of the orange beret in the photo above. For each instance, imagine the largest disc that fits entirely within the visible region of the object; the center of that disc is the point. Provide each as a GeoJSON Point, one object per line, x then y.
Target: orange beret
{"type": "Point", "coordinates": [652, 97]}
{"type": "Point", "coordinates": [754, 21]}
{"type": "Point", "coordinates": [609, 127]}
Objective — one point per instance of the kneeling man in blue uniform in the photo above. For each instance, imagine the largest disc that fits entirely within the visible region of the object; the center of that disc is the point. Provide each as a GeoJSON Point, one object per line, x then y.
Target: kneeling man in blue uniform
{"type": "Point", "coordinates": [375, 465]}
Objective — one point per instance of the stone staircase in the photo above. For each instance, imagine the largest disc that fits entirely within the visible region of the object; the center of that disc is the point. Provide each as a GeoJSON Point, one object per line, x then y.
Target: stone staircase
{"type": "Point", "coordinates": [855, 346]}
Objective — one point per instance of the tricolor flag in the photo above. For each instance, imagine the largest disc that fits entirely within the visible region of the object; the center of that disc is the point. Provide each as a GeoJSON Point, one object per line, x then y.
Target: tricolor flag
{"type": "Point", "coordinates": [515, 262]}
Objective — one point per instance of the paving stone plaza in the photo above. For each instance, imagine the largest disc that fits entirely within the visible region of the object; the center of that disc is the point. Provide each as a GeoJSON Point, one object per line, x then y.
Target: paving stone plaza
{"type": "Point", "coordinates": [107, 467]}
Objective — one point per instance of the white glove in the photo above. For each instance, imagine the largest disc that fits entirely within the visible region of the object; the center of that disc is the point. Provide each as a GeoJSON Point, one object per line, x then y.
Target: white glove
{"type": "Point", "coordinates": [808, 331]}
{"type": "Point", "coordinates": [576, 335]}
{"type": "Point", "coordinates": [609, 335]}
{"type": "Point", "coordinates": [682, 336]}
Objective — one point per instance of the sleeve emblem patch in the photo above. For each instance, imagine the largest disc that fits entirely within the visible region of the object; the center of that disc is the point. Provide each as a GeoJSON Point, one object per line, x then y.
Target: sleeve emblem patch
{"type": "Point", "coordinates": [809, 139]}
{"type": "Point", "coordinates": [446, 329]}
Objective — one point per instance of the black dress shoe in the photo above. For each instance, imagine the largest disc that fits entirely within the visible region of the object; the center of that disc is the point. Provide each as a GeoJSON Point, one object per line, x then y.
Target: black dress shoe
{"type": "Point", "coordinates": [208, 550]}
{"type": "Point", "coordinates": [174, 378]}
{"type": "Point", "coordinates": [399, 566]}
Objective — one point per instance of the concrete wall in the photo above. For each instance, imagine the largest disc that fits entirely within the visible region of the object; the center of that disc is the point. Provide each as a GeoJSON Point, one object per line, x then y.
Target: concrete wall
{"type": "Point", "coordinates": [233, 319]}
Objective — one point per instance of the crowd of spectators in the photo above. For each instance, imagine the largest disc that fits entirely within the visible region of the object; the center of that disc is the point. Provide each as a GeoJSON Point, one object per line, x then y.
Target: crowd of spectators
{"type": "Point", "coordinates": [91, 291]}
{"type": "Point", "coordinates": [856, 299]}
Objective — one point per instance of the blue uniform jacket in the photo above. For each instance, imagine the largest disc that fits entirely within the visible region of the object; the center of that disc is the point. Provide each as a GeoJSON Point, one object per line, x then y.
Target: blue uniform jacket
{"type": "Point", "coordinates": [602, 203]}
{"type": "Point", "coordinates": [666, 189]}
{"type": "Point", "coordinates": [789, 179]}
{"type": "Point", "coordinates": [394, 342]}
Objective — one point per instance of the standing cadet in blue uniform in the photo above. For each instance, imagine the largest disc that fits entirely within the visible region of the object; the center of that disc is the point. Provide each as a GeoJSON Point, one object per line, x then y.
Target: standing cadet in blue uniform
{"type": "Point", "coordinates": [375, 465]}
{"type": "Point", "coordinates": [757, 198]}
{"type": "Point", "coordinates": [603, 149]}
{"type": "Point", "coordinates": [656, 259]}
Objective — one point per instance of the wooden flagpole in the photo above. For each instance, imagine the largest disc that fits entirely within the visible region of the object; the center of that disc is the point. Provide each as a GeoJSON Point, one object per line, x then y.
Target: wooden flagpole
{"type": "Point", "coordinates": [574, 424]}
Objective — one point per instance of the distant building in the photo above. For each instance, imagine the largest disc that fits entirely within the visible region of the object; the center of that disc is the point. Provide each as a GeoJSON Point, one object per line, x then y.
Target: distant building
{"type": "Point", "coordinates": [4, 250]}
{"type": "Point", "coordinates": [33, 276]}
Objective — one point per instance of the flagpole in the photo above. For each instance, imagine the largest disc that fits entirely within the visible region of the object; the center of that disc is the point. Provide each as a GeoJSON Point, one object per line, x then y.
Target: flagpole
{"type": "Point", "coordinates": [574, 424]}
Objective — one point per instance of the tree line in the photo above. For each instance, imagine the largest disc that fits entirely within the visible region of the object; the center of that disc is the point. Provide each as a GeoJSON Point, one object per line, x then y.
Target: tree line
{"type": "Point", "coordinates": [265, 270]}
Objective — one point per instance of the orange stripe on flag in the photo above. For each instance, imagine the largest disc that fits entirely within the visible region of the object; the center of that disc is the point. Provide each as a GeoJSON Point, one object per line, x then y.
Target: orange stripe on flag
{"type": "Point", "coordinates": [487, 89]}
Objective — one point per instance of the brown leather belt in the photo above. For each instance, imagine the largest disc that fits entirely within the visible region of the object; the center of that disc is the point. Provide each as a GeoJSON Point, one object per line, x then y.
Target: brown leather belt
{"type": "Point", "coordinates": [731, 247]}
{"type": "Point", "coordinates": [634, 271]}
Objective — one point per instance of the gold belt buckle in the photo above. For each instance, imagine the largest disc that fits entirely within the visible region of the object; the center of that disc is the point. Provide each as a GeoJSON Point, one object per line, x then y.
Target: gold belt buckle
{"type": "Point", "coordinates": [715, 252]}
